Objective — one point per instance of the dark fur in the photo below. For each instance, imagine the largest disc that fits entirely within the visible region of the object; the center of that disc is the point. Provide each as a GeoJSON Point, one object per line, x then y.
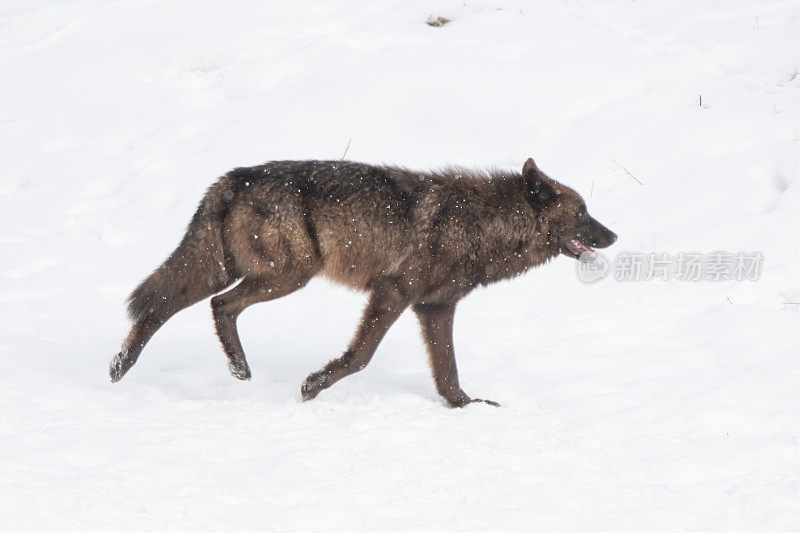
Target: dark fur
{"type": "Point", "coordinates": [411, 239]}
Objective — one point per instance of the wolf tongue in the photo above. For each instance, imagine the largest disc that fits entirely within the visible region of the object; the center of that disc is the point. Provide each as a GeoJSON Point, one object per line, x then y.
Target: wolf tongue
{"type": "Point", "coordinates": [580, 247]}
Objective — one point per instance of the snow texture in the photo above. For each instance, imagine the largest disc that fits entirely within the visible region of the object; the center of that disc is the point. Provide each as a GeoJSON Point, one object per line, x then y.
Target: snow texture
{"type": "Point", "coordinates": [625, 406]}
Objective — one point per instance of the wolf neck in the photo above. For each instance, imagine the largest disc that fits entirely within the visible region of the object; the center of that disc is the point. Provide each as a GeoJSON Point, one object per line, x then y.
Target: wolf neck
{"type": "Point", "coordinates": [515, 239]}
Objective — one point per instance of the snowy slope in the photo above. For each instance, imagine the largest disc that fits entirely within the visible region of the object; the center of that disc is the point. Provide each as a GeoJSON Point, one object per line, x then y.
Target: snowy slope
{"type": "Point", "coordinates": [626, 406]}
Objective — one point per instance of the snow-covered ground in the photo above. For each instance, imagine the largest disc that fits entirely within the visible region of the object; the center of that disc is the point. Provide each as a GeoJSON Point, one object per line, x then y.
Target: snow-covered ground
{"type": "Point", "coordinates": [646, 405]}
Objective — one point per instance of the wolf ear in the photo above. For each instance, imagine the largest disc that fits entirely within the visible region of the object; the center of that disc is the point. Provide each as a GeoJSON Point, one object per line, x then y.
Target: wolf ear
{"type": "Point", "coordinates": [538, 187]}
{"type": "Point", "coordinates": [529, 167]}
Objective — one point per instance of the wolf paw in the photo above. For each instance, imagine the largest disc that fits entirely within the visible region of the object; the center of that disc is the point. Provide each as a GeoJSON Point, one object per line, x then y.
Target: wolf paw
{"type": "Point", "coordinates": [240, 370]}
{"type": "Point", "coordinates": [117, 367]}
{"type": "Point", "coordinates": [313, 385]}
{"type": "Point", "coordinates": [487, 402]}
{"type": "Point", "coordinates": [462, 400]}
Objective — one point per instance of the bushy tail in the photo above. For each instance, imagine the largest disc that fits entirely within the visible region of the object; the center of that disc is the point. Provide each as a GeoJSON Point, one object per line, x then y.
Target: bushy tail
{"type": "Point", "coordinates": [196, 269]}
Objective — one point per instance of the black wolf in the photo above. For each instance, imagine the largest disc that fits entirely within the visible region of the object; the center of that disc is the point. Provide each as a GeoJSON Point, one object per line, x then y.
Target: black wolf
{"type": "Point", "coordinates": [410, 239]}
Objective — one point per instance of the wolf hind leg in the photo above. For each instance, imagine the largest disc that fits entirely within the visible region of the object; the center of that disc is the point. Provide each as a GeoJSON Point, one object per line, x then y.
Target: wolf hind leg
{"type": "Point", "coordinates": [228, 306]}
{"type": "Point", "coordinates": [146, 325]}
{"type": "Point", "coordinates": [141, 332]}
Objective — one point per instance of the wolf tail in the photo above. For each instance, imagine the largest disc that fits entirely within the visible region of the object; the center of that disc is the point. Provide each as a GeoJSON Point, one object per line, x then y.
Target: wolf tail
{"type": "Point", "coordinates": [198, 268]}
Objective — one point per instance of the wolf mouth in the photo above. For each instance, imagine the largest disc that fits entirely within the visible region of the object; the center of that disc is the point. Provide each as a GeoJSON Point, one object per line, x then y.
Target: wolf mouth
{"type": "Point", "coordinates": [577, 247]}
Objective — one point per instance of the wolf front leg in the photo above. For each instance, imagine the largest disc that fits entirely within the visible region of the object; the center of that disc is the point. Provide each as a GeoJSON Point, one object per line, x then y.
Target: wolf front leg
{"type": "Point", "coordinates": [437, 329]}
{"type": "Point", "coordinates": [386, 304]}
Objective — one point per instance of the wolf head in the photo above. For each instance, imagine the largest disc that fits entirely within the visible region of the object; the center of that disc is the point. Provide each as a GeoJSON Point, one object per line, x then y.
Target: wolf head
{"type": "Point", "coordinates": [569, 224]}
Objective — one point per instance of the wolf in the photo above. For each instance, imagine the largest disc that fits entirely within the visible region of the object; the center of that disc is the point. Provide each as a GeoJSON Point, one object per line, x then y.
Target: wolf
{"type": "Point", "coordinates": [414, 239]}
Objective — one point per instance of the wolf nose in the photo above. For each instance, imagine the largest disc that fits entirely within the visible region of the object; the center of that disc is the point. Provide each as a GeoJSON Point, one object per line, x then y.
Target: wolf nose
{"type": "Point", "coordinates": [612, 238]}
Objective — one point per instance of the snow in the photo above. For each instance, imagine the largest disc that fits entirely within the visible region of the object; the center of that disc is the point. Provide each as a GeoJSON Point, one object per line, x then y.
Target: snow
{"type": "Point", "coordinates": [625, 406]}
